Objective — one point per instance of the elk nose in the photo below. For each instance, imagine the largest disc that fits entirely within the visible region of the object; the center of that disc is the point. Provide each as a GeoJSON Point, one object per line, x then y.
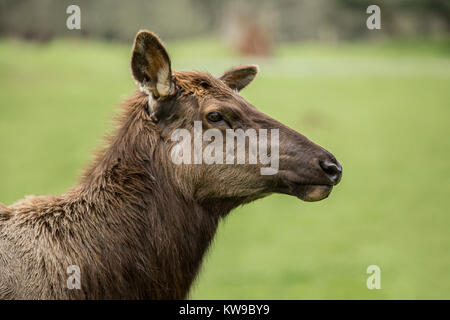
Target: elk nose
{"type": "Point", "coordinates": [332, 169]}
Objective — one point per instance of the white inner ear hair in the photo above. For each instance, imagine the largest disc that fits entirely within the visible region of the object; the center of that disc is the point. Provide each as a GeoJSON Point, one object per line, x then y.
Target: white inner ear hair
{"type": "Point", "coordinates": [143, 87]}
{"type": "Point", "coordinates": [151, 101]}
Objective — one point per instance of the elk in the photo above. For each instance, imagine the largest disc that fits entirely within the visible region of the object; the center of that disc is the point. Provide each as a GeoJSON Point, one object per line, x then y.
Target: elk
{"type": "Point", "coordinates": [138, 225]}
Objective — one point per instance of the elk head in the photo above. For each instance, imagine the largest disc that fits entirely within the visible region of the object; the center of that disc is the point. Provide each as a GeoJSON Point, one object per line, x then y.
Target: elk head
{"type": "Point", "coordinates": [193, 113]}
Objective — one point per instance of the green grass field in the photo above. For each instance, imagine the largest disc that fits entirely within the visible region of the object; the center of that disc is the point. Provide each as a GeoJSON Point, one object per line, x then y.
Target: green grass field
{"type": "Point", "coordinates": [382, 109]}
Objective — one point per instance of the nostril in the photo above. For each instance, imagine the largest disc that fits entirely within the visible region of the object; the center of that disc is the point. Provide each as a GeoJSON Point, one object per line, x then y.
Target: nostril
{"type": "Point", "coordinates": [333, 170]}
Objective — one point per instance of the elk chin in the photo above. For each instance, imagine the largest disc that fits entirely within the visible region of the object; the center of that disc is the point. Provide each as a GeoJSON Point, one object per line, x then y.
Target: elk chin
{"type": "Point", "coordinates": [311, 193]}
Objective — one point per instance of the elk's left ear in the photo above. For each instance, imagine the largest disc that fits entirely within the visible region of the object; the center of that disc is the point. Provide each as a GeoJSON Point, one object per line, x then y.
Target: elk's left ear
{"type": "Point", "coordinates": [238, 78]}
{"type": "Point", "coordinates": [150, 65]}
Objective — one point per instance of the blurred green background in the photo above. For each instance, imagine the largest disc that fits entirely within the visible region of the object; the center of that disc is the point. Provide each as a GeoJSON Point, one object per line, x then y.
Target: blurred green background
{"type": "Point", "coordinates": [380, 103]}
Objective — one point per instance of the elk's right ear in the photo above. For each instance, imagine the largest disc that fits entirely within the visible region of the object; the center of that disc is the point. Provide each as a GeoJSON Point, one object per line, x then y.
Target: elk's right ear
{"type": "Point", "coordinates": [150, 65]}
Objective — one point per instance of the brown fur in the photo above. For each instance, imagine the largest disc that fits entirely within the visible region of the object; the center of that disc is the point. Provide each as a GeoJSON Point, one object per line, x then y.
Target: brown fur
{"type": "Point", "coordinates": [136, 224]}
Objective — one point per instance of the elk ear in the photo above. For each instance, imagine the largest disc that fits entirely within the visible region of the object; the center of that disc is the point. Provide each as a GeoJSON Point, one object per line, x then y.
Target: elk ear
{"type": "Point", "coordinates": [150, 65]}
{"type": "Point", "coordinates": [238, 78]}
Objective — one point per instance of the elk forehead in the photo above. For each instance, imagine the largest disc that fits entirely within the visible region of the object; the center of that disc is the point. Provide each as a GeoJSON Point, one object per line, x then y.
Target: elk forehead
{"type": "Point", "coordinates": [200, 84]}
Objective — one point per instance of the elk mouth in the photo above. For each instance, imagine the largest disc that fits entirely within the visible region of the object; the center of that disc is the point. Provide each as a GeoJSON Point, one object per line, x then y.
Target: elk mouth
{"type": "Point", "coordinates": [310, 192]}
{"type": "Point", "coordinates": [313, 182]}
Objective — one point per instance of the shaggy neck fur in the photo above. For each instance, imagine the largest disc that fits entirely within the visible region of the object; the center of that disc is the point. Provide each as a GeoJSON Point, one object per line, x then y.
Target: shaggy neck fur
{"type": "Point", "coordinates": [129, 226]}
{"type": "Point", "coordinates": [160, 231]}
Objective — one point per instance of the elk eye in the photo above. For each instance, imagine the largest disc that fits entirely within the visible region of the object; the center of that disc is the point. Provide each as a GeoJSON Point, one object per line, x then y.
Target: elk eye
{"type": "Point", "coordinates": [214, 116]}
